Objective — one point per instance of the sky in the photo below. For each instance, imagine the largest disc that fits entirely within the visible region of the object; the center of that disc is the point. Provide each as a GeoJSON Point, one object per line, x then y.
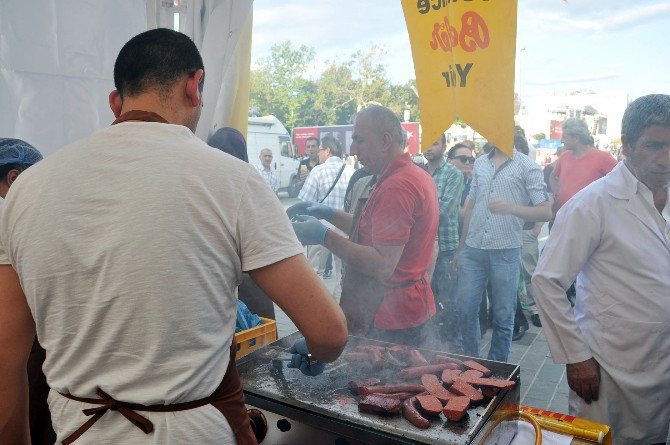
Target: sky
{"type": "Point", "coordinates": [598, 45]}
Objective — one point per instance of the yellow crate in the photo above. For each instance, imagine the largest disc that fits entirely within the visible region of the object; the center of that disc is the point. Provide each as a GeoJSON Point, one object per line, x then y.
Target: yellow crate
{"type": "Point", "coordinates": [254, 338]}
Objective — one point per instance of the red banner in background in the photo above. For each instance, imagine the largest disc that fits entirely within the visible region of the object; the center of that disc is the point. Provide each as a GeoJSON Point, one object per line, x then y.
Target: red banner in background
{"type": "Point", "coordinates": [556, 130]}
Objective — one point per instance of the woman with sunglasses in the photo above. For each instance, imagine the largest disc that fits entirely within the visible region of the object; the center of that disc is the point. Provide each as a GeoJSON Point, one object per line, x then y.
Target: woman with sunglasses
{"type": "Point", "coordinates": [461, 156]}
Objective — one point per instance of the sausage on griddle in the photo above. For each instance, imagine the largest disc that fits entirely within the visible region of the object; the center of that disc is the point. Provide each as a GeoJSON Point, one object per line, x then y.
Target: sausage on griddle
{"type": "Point", "coordinates": [375, 403]}
{"type": "Point", "coordinates": [456, 408]}
{"type": "Point", "coordinates": [463, 389]}
{"type": "Point", "coordinates": [478, 367]}
{"type": "Point", "coordinates": [493, 383]}
{"type": "Point", "coordinates": [435, 388]}
{"type": "Point", "coordinates": [445, 359]}
{"type": "Point", "coordinates": [415, 358]}
{"type": "Point", "coordinates": [449, 375]}
{"type": "Point", "coordinates": [418, 371]}
{"type": "Point", "coordinates": [390, 389]}
{"type": "Point", "coordinates": [429, 404]}
{"type": "Point", "coordinates": [412, 414]}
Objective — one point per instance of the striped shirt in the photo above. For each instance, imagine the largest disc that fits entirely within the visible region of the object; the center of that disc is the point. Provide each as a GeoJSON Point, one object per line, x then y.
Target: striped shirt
{"type": "Point", "coordinates": [269, 176]}
{"type": "Point", "coordinates": [449, 181]}
{"type": "Point", "coordinates": [320, 180]}
{"type": "Point", "coordinates": [518, 181]}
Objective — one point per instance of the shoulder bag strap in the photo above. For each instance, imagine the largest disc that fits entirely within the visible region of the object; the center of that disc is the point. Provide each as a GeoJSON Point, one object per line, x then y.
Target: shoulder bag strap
{"type": "Point", "coordinates": [337, 178]}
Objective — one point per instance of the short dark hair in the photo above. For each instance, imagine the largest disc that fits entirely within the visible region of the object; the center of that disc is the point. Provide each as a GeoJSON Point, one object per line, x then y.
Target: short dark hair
{"type": "Point", "coordinates": [332, 143]}
{"type": "Point", "coordinates": [5, 169]}
{"type": "Point", "coordinates": [452, 151]}
{"type": "Point", "coordinates": [155, 60]}
{"type": "Point", "coordinates": [521, 144]}
{"type": "Point", "coordinates": [231, 141]}
{"type": "Point", "coordinates": [312, 138]}
{"type": "Point", "coordinates": [653, 109]}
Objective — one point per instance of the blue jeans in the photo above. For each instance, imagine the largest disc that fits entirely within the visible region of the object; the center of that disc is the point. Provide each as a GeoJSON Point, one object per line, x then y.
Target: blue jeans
{"type": "Point", "coordinates": [501, 268]}
{"type": "Point", "coordinates": [444, 288]}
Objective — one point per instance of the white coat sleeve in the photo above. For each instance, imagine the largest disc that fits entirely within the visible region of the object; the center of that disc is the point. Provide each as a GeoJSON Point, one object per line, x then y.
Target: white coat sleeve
{"type": "Point", "coordinates": [574, 237]}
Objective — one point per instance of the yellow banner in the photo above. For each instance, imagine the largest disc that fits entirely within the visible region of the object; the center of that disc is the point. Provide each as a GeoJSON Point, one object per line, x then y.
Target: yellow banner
{"type": "Point", "coordinates": [464, 53]}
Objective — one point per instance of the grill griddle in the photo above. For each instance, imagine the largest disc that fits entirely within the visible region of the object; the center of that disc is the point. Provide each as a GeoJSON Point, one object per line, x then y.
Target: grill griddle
{"type": "Point", "coordinates": [325, 401]}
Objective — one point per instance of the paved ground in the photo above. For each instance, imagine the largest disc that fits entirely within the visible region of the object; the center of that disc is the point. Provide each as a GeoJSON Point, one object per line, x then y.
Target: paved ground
{"type": "Point", "coordinates": [543, 383]}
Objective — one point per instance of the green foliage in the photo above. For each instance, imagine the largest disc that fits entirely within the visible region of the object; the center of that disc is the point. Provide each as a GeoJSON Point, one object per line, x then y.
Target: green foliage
{"type": "Point", "coordinates": [280, 86]}
{"type": "Point", "coordinates": [539, 136]}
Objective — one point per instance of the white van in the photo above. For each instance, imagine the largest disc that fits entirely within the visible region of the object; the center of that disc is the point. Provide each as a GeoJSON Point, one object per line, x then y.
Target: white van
{"type": "Point", "coordinates": [268, 132]}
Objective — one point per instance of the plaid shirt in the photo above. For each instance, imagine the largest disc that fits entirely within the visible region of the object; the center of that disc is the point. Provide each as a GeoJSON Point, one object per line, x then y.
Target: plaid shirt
{"type": "Point", "coordinates": [320, 180]}
{"type": "Point", "coordinates": [449, 181]}
{"type": "Point", "coordinates": [269, 176]}
{"type": "Point", "coordinates": [518, 181]}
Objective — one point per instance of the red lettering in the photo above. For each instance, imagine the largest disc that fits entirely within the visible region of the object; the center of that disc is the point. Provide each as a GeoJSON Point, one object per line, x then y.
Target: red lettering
{"type": "Point", "coordinates": [474, 34]}
{"type": "Point", "coordinates": [474, 29]}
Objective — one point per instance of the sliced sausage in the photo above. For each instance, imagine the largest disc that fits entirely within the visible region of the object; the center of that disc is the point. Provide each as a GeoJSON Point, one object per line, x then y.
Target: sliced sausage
{"type": "Point", "coordinates": [471, 373]}
{"type": "Point", "coordinates": [456, 408]}
{"type": "Point", "coordinates": [390, 389]}
{"type": "Point", "coordinates": [462, 388]}
{"type": "Point", "coordinates": [478, 367]}
{"type": "Point", "coordinates": [355, 384]}
{"type": "Point", "coordinates": [435, 388]}
{"type": "Point", "coordinates": [430, 405]}
{"type": "Point", "coordinates": [412, 414]}
{"type": "Point", "coordinates": [449, 375]}
{"type": "Point", "coordinates": [418, 371]}
{"type": "Point", "coordinates": [399, 395]}
{"type": "Point", "coordinates": [493, 383]}
{"type": "Point", "coordinates": [375, 403]}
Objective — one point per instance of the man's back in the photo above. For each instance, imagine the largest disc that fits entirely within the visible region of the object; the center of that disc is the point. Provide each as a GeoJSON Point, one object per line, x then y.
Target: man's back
{"type": "Point", "coordinates": [129, 246]}
{"type": "Point", "coordinates": [574, 174]}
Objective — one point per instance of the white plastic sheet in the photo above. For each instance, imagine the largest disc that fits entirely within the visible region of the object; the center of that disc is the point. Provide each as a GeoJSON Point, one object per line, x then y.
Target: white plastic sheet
{"type": "Point", "coordinates": [56, 66]}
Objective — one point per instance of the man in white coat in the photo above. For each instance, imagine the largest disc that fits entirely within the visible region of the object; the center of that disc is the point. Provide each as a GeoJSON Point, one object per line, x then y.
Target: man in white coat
{"type": "Point", "coordinates": [614, 238]}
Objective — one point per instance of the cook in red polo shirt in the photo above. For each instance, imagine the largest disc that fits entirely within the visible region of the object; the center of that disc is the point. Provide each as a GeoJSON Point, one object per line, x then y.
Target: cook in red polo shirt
{"type": "Point", "coordinates": [385, 291]}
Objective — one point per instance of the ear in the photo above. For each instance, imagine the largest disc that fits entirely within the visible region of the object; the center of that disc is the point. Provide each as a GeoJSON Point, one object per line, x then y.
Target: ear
{"type": "Point", "coordinates": [192, 91]}
{"type": "Point", "coordinates": [11, 177]}
{"type": "Point", "coordinates": [115, 103]}
{"type": "Point", "coordinates": [388, 140]}
{"type": "Point", "coordinates": [625, 146]}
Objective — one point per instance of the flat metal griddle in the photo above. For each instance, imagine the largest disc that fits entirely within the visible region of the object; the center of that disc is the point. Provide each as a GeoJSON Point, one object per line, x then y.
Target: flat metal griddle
{"type": "Point", "coordinates": [325, 401]}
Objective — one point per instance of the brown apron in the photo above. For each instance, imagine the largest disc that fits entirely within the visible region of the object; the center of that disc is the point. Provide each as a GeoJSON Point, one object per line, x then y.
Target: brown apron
{"type": "Point", "coordinates": [227, 398]}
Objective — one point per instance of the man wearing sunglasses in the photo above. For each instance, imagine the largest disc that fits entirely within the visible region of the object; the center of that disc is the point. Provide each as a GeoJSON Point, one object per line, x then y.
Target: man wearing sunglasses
{"type": "Point", "coordinates": [461, 156]}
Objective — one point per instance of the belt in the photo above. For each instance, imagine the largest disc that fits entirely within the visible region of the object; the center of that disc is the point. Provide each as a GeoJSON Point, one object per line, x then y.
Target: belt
{"type": "Point", "coordinates": [227, 398]}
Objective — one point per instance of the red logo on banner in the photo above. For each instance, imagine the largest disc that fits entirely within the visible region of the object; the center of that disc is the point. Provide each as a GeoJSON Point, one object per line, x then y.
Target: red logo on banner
{"type": "Point", "coordinates": [473, 34]}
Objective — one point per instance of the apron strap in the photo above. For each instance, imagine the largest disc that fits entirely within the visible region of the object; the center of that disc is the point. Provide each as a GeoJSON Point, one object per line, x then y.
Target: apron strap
{"type": "Point", "coordinates": [227, 398]}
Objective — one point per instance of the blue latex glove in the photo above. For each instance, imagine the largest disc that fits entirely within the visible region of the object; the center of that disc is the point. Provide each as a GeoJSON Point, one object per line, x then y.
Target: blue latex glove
{"type": "Point", "coordinates": [309, 230]}
{"type": "Point", "coordinates": [315, 209]}
{"type": "Point", "coordinates": [301, 359]}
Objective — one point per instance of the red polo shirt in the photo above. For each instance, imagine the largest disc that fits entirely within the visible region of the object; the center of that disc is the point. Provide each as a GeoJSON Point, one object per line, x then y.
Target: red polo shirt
{"type": "Point", "coordinates": [573, 174]}
{"type": "Point", "coordinates": [403, 210]}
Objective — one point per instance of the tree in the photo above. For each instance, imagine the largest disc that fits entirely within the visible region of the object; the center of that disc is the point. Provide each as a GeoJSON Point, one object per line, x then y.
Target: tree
{"type": "Point", "coordinates": [278, 86]}
{"type": "Point", "coordinates": [539, 136]}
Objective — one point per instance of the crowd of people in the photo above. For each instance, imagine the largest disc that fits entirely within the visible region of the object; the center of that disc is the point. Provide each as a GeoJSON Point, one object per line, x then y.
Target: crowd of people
{"type": "Point", "coordinates": [122, 253]}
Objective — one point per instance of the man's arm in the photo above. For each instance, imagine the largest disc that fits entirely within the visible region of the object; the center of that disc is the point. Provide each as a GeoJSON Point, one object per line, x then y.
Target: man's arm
{"type": "Point", "coordinates": [375, 261]}
{"type": "Point", "coordinates": [467, 214]}
{"type": "Point", "coordinates": [293, 285]}
{"type": "Point", "coordinates": [17, 332]}
{"type": "Point", "coordinates": [342, 220]}
{"type": "Point", "coordinates": [540, 212]}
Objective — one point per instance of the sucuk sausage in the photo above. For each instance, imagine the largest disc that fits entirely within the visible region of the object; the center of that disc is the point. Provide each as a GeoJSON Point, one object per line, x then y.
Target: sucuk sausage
{"type": "Point", "coordinates": [456, 408]}
{"type": "Point", "coordinates": [398, 395]}
{"type": "Point", "coordinates": [355, 384]}
{"type": "Point", "coordinates": [390, 359]}
{"type": "Point", "coordinates": [429, 405]}
{"type": "Point", "coordinates": [435, 388]}
{"type": "Point", "coordinates": [412, 414]}
{"type": "Point", "coordinates": [478, 367]}
{"type": "Point", "coordinates": [464, 389]}
{"type": "Point", "coordinates": [445, 359]}
{"type": "Point", "coordinates": [493, 383]}
{"type": "Point", "coordinates": [415, 358]}
{"type": "Point", "coordinates": [471, 374]}
{"type": "Point", "coordinates": [489, 392]}
{"type": "Point", "coordinates": [390, 389]}
{"type": "Point", "coordinates": [449, 375]}
{"type": "Point", "coordinates": [418, 371]}
{"type": "Point", "coordinates": [375, 403]}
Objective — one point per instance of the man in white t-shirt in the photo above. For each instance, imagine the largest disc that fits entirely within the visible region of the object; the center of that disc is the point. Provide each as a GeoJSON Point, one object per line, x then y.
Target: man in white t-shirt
{"type": "Point", "coordinates": [123, 251]}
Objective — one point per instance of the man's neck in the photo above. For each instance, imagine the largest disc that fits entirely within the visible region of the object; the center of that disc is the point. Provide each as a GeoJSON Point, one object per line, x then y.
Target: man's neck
{"type": "Point", "coordinates": [433, 164]}
{"type": "Point", "coordinates": [660, 198]}
{"type": "Point", "coordinates": [499, 157]}
{"type": "Point", "coordinates": [581, 150]}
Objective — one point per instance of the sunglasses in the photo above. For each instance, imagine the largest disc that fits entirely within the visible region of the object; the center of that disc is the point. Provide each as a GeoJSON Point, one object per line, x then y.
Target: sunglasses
{"type": "Point", "coordinates": [465, 159]}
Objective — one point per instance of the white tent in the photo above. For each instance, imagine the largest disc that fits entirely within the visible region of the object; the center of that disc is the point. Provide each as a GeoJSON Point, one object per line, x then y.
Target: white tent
{"type": "Point", "coordinates": [57, 60]}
